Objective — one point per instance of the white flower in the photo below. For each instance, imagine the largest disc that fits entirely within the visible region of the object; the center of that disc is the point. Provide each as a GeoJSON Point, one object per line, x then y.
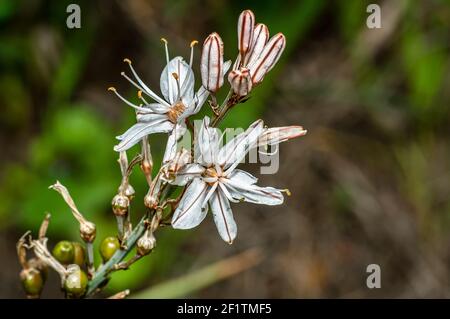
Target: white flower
{"type": "Point", "coordinates": [214, 179]}
{"type": "Point", "coordinates": [169, 112]}
{"type": "Point", "coordinates": [257, 53]}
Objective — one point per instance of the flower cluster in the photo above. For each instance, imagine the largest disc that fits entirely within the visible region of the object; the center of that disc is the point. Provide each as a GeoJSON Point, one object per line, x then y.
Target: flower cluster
{"type": "Point", "coordinates": [206, 177]}
{"type": "Point", "coordinates": [210, 177]}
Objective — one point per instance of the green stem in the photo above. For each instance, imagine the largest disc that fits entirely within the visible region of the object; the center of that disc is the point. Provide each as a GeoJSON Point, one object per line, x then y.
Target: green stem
{"type": "Point", "coordinates": [223, 109]}
{"type": "Point", "coordinates": [102, 272]}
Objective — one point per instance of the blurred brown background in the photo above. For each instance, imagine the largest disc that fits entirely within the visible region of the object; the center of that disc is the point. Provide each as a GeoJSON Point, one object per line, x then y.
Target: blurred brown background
{"type": "Point", "coordinates": [370, 181]}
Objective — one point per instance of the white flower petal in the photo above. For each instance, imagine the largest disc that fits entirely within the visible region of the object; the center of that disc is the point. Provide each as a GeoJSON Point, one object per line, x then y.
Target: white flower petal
{"type": "Point", "coordinates": [223, 216]}
{"type": "Point", "coordinates": [243, 177]}
{"type": "Point", "coordinates": [156, 108]}
{"type": "Point", "coordinates": [199, 99]}
{"type": "Point", "coordinates": [172, 90]}
{"type": "Point", "coordinates": [207, 143]}
{"type": "Point", "coordinates": [171, 147]}
{"type": "Point", "coordinates": [253, 193]}
{"type": "Point", "coordinates": [134, 134]}
{"type": "Point", "coordinates": [235, 150]}
{"type": "Point", "coordinates": [226, 66]}
{"type": "Point", "coordinates": [187, 173]}
{"type": "Point", "coordinates": [189, 212]}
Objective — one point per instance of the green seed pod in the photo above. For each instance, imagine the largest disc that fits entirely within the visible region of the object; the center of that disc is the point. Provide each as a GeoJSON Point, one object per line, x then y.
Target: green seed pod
{"type": "Point", "coordinates": [32, 282]}
{"type": "Point", "coordinates": [79, 257]}
{"type": "Point", "coordinates": [40, 266]}
{"type": "Point", "coordinates": [76, 282]}
{"type": "Point", "coordinates": [64, 252]}
{"type": "Point", "coordinates": [108, 247]}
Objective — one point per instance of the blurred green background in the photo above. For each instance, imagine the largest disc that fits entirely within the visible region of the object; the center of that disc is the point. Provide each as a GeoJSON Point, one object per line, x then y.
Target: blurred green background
{"type": "Point", "coordinates": [370, 181]}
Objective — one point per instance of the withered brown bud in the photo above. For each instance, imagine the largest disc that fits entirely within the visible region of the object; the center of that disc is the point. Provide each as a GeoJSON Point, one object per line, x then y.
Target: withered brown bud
{"type": "Point", "coordinates": [120, 204]}
{"type": "Point", "coordinates": [129, 192]}
{"type": "Point", "coordinates": [87, 231]}
{"type": "Point", "coordinates": [145, 244]}
{"type": "Point", "coordinates": [150, 201]}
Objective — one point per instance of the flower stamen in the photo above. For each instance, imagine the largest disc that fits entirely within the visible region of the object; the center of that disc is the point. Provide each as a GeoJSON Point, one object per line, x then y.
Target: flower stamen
{"type": "Point", "coordinates": [137, 107]}
{"type": "Point", "coordinates": [191, 59]}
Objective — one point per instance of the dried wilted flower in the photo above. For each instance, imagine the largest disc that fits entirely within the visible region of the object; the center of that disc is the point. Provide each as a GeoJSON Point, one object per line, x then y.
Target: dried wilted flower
{"type": "Point", "coordinates": [87, 228]}
{"type": "Point", "coordinates": [146, 243]}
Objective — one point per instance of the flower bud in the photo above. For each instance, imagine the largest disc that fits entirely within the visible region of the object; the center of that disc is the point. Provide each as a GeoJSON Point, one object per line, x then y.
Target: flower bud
{"type": "Point", "coordinates": [260, 38]}
{"type": "Point", "coordinates": [79, 256]}
{"type": "Point", "coordinates": [268, 57]}
{"type": "Point", "coordinates": [276, 135]}
{"type": "Point", "coordinates": [211, 64]}
{"type": "Point", "coordinates": [108, 248]}
{"type": "Point", "coordinates": [240, 81]}
{"type": "Point", "coordinates": [145, 244]}
{"type": "Point", "coordinates": [32, 282]}
{"type": "Point", "coordinates": [76, 282]}
{"type": "Point", "coordinates": [64, 252]}
{"type": "Point", "coordinates": [120, 204]}
{"type": "Point", "coordinates": [246, 24]}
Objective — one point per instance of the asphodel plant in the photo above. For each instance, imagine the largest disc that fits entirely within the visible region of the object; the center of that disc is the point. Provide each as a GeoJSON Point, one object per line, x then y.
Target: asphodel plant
{"type": "Point", "coordinates": [207, 174]}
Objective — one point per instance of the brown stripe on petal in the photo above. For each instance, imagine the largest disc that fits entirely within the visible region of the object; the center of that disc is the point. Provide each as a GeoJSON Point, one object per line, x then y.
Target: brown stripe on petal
{"type": "Point", "coordinates": [269, 56]}
{"type": "Point", "coordinates": [219, 63]}
{"type": "Point", "coordinates": [246, 25]}
{"type": "Point", "coordinates": [260, 38]}
{"type": "Point", "coordinates": [212, 63]}
{"type": "Point", "coordinates": [205, 60]}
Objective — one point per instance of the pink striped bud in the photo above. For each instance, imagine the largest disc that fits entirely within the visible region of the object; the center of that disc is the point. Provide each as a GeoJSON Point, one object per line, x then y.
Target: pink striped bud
{"type": "Point", "coordinates": [268, 57]}
{"type": "Point", "coordinates": [246, 24]}
{"type": "Point", "coordinates": [240, 81]}
{"type": "Point", "coordinates": [276, 135]}
{"type": "Point", "coordinates": [260, 38]}
{"type": "Point", "coordinates": [211, 64]}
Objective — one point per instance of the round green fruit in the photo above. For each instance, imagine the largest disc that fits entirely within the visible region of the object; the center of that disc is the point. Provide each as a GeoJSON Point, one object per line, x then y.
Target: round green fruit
{"type": "Point", "coordinates": [64, 252]}
{"type": "Point", "coordinates": [79, 256]}
{"type": "Point", "coordinates": [32, 282]}
{"type": "Point", "coordinates": [108, 247]}
{"type": "Point", "coordinates": [76, 284]}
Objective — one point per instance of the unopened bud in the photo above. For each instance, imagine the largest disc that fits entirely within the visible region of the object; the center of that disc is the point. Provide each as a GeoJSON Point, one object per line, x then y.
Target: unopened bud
{"type": "Point", "coordinates": [240, 81]}
{"type": "Point", "coordinates": [246, 24]}
{"type": "Point", "coordinates": [268, 57]}
{"type": "Point", "coordinates": [120, 204]}
{"type": "Point", "coordinates": [260, 38]}
{"type": "Point", "coordinates": [211, 64]}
